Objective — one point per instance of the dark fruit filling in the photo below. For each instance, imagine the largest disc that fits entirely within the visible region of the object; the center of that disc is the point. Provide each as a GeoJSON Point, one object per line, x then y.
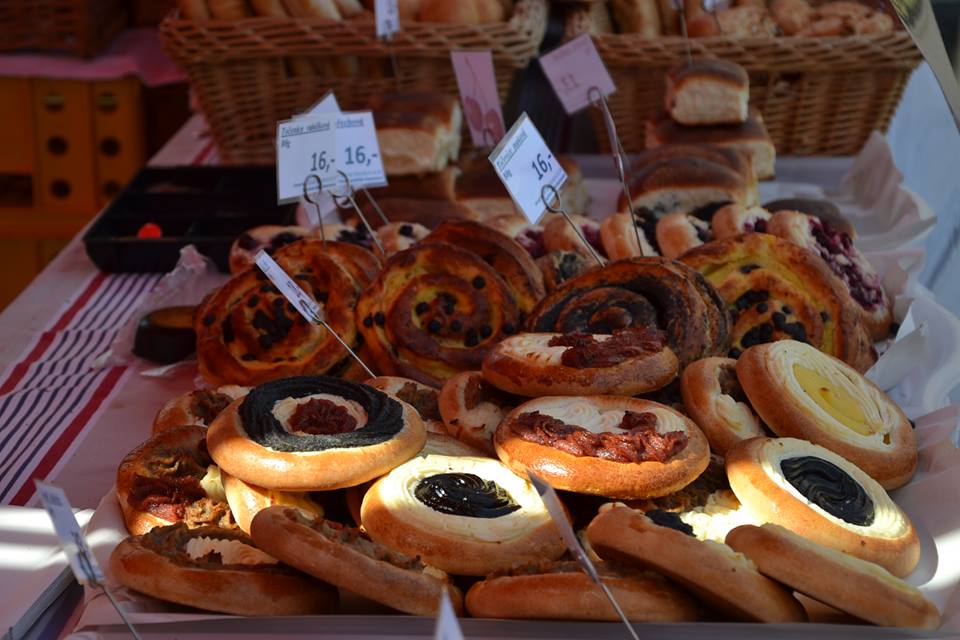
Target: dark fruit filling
{"type": "Point", "coordinates": [836, 249]}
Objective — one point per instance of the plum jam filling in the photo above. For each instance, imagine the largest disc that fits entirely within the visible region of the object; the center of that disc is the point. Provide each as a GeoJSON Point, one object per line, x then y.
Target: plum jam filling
{"type": "Point", "coordinates": [531, 239]}
{"type": "Point", "coordinates": [836, 249]}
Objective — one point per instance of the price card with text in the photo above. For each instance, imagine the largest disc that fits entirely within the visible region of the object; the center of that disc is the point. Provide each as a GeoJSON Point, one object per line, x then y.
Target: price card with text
{"type": "Point", "coordinates": [358, 151]}
{"type": "Point", "coordinates": [305, 146]}
{"type": "Point", "coordinates": [81, 558]}
{"type": "Point", "coordinates": [296, 296]}
{"type": "Point", "coordinates": [479, 96]}
{"type": "Point", "coordinates": [525, 164]}
{"type": "Point", "coordinates": [574, 69]}
{"type": "Point", "coordinates": [387, 17]}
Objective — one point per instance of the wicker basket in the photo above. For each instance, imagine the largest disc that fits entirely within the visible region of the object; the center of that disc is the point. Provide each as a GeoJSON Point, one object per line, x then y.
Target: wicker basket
{"type": "Point", "coordinates": [81, 27]}
{"type": "Point", "coordinates": [819, 96]}
{"type": "Point", "coordinates": [249, 74]}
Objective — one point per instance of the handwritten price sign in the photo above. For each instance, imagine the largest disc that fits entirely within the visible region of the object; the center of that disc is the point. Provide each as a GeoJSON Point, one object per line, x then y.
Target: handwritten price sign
{"type": "Point", "coordinates": [358, 151]}
{"type": "Point", "coordinates": [573, 70]}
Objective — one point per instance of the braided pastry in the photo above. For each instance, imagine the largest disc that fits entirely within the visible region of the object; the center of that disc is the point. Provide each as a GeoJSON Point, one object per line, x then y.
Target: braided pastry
{"type": "Point", "coordinates": [247, 332]}
{"type": "Point", "coordinates": [777, 290]}
{"type": "Point", "coordinates": [435, 310]}
{"type": "Point", "coordinates": [641, 292]}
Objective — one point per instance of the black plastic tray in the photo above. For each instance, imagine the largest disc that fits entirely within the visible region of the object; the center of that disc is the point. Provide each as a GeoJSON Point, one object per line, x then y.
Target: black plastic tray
{"type": "Point", "coordinates": [204, 206]}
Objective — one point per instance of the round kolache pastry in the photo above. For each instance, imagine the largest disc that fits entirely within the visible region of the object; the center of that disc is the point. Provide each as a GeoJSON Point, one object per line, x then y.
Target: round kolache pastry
{"type": "Point", "coordinates": [468, 516]}
{"type": "Point", "coordinates": [803, 393]}
{"type": "Point", "coordinates": [314, 434]}
{"type": "Point", "coordinates": [421, 397]}
{"type": "Point", "coordinates": [562, 591]}
{"type": "Point", "coordinates": [216, 570]}
{"type": "Point", "coordinates": [171, 478]}
{"type": "Point", "coordinates": [776, 290]}
{"type": "Point", "coordinates": [822, 497]}
{"type": "Point", "coordinates": [344, 556]}
{"type": "Point", "coordinates": [472, 409]}
{"type": "Point", "coordinates": [603, 445]}
{"type": "Point", "coordinates": [860, 588]}
{"type": "Point", "coordinates": [247, 500]}
{"type": "Point", "coordinates": [198, 407]}
{"type": "Point", "coordinates": [836, 248]}
{"type": "Point", "coordinates": [641, 292]}
{"type": "Point", "coordinates": [714, 399]}
{"type": "Point", "coordinates": [628, 362]}
{"type": "Point", "coordinates": [718, 575]}
{"type": "Point", "coordinates": [435, 310]}
{"type": "Point", "coordinates": [734, 219]}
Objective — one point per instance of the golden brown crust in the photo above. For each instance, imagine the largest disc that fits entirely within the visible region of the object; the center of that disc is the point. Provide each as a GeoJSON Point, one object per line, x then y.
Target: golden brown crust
{"type": "Point", "coordinates": [619, 238]}
{"type": "Point", "coordinates": [596, 475]}
{"type": "Point", "coordinates": [734, 219]}
{"type": "Point", "coordinates": [724, 416]}
{"type": "Point", "coordinates": [422, 397]}
{"type": "Point", "coordinates": [197, 407]}
{"type": "Point", "coordinates": [851, 585]}
{"type": "Point", "coordinates": [707, 91]}
{"type": "Point", "coordinates": [727, 582]}
{"type": "Point", "coordinates": [741, 21]}
{"type": "Point", "coordinates": [559, 266]}
{"type": "Point", "coordinates": [792, 16]}
{"type": "Point", "coordinates": [679, 232]}
{"type": "Point", "coordinates": [472, 410]}
{"type": "Point", "coordinates": [681, 183]}
{"type": "Point", "coordinates": [428, 212]}
{"type": "Point", "coordinates": [558, 235]}
{"type": "Point", "coordinates": [897, 552]}
{"type": "Point", "coordinates": [247, 500]}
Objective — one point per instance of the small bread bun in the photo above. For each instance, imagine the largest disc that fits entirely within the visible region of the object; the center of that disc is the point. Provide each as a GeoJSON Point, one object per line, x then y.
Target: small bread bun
{"type": "Point", "coordinates": [792, 16]}
{"type": "Point", "coordinates": [679, 232]}
{"type": "Point", "coordinates": [822, 497]}
{"type": "Point", "coordinates": [247, 500]}
{"type": "Point", "coordinates": [682, 183]}
{"type": "Point", "coordinates": [199, 407]}
{"type": "Point", "coordinates": [858, 587]}
{"type": "Point", "coordinates": [714, 572]}
{"type": "Point", "coordinates": [707, 91]}
{"type": "Point", "coordinates": [472, 409]}
{"type": "Point", "coordinates": [737, 22]}
{"type": "Point", "coordinates": [716, 402]}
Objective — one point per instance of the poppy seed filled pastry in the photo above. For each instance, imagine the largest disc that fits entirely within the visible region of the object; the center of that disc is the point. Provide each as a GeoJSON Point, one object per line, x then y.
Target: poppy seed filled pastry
{"type": "Point", "coordinates": [603, 445]}
{"type": "Point", "coordinates": [467, 516]}
{"type": "Point", "coordinates": [718, 575]}
{"type": "Point", "coordinates": [472, 409]}
{"type": "Point", "coordinates": [216, 570]}
{"type": "Point", "coordinates": [628, 362]}
{"type": "Point", "coordinates": [683, 183]}
{"type": "Point", "coordinates": [734, 159]}
{"type": "Point", "coordinates": [648, 292]}
{"type": "Point", "coordinates": [345, 557]}
{"type": "Point", "coordinates": [314, 434]}
{"type": "Point", "coordinates": [822, 497]}
{"type": "Point", "coordinates": [707, 91]}
{"type": "Point", "coordinates": [802, 393]}
{"type": "Point", "coordinates": [715, 400]}
{"type": "Point", "coordinates": [677, 233]}
{"type": "Point", "coordinates": [850, 584]}
{"type": "Point", "coordinates": [199, 407]}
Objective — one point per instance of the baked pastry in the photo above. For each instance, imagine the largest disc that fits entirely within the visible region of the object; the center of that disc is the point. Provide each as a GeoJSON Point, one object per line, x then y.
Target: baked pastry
{"type": "Point", "coordinates": [198, 407]}
{"type": "Point", "coordinates": [466, 12]}
{"type": "Point", "coordinates": [472, 409]}
{"type": "Point", "coordinates": [268, 238]}
{"type": "Point", "coordinates": [516, 226]}
{"type": "Point", "coordinates": [421, 397]}
{"type": "Point", "coordinates": [737, 22]}
{"type": "Point", "coordinates": [792, 16]}
{"type": "Point", "coordinates": [559, 266]}
{"type": "Point", "coordinates": [776, 290]}
{"type": "Point", "coordinates": [823, 497]}
{"type": "Point", "coordinates": [562, 591]}
{"type": "Point", "coordinates": [847, 583]}
{"type": "Point", "coordinates": [171, 478]}
{"type": "Point", "coordinates": [558, 235]}
{"type": "Point", "coordinates": [426, 212]}
{"type": "Point", "coordinates": [507, 258]}
{"type": "Point", "coordinates": [216, 570]}
{"type": "Point", "coordinates": [683, 184]}
{"type": "Point", "coordinates": [716, 402]}
{"type": "Point", "coordinates": [734, 219]}
{"type": "Point", "coordinates": [845, 260]}
{"type": "Point", "coordinates": [619, 238]}
{"type": "Point", "coordinates": [228, 9]}
{"type": "Point", "coordinates": [247, 331]}
{"type": "Point", "coordinates": [440, 444]}
{"type": "Point", "coordinates": [823, 209]}
{"type": "Point", "coordinates": [640, 292]}
{"type": "Point", "coordinates": [314, 434]}
{"type": "Point", "coordinates": [824, 27]}
{"type": "Point", "coordinates": [750, 136]}
{"type": "Point", "coordinates": [716, 574]}
{"type": "Point", "coordinates": [637, 16]}
{"type": "Point", "coordinates": [400, 236]}
{"type": "Point", "coordinates": [247, 500]}
{"type": "Point", "coordinates": [467, 516]}
{"type": "Point", "coordinates": [417, 132]}
{"type": "Point", "coordinates": [736, 160]}
{"type": "Point", "coordinates": [345, 557]}
{"type": "Point", "coordinates": [626, 363]}
{"type": "Point", "coordinates": [706, 91]}
{"type": "Point", "coordinates": [677, 233]}
{"type": "Point", "coordinates": [603, 445]}
{"type": "Point", "coordinates": [803, 393]}
{"type": "Point", "coordinates": [435, 310]}
{"type": "Point", "coordinates": [436, 185]}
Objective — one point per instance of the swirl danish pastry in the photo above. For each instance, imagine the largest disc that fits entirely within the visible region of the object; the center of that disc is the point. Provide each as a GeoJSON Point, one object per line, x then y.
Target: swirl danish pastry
{"type": "Point", "coordinates": [641, 292]}
{"type": "Point", "coordinates": [199, 407]}
{"type": "Point", "coordinates": [216, 570]}
{"type": "Point", "coordinates": [714, 399]}
{"type": "Point", "coordinates": [628, 362]}
{"type": "Point", "coordinates": [313, 434]}
{"type": "Point", "coordinates": [345, 557]}
{"type": "Point", "coordinates": [803, 393]}
{"type": "Point", "coordinates": [248, 333]}
{"type": "Point", "coordinates": [777, 290]}
{"type": "Point", "coordinates": [421, 397]}
{"type": "Point", "coordinates": [469, 516]}
{"type": "Point", "coordinates": [472, 409]}
{"type": "Point", "coordinates": [822, 497]}
{"type": "Point", "coordinates": [435, 310]}
{"type": "Point", "coordinates": [603, 445]}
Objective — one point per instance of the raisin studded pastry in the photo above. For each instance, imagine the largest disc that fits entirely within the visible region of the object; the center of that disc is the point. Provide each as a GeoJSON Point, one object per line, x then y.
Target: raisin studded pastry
{"type": "Point", "coordinates": [399, 236]}
{"type": "Point", "coordinates": [268, 238]}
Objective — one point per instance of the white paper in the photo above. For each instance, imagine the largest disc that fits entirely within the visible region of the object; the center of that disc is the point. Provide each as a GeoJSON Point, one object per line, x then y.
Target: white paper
{"type": "Point", "coordinates": [327, 104]}
{"type": "Point", "coordinates": [576, 72]}
{"type": "Point", "coordinates": [305, 146]}
{"type": "Point", "coordinates": [296, 296]}
{"type": "Point", "coordinates": [82, 561]}
{"type": "Point", "coordinates": [387, 17]}
{"type": "Point", "coordinates": [358, 150]}
{"type": "Point", "coordinates": [525, 165]}
{"type": "Point", "coordinates": [448, 628]}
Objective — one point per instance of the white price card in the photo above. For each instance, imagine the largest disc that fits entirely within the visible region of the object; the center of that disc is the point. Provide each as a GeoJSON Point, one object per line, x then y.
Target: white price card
{"type": "Point", "coordinates": [299, 298]}
{"type": "Point", "coordinates": [387, 16]}
{"type": "Point", "coordinates": [358, 150]}
{"type": "Point", "coordinates": [305, 146]}
{"type": "Point", "coordinates": [327, 104]}
{"type": "Point", "coordinates": [448, 627]}
{"type": "Point", "coordinates": [576, 72]}
{"type": "Point", "coordinates": [82, 562]}
{"type": "Point", "coordinates": [525, 165]}
{"type": "Point", "coordinates": [478, 94]}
